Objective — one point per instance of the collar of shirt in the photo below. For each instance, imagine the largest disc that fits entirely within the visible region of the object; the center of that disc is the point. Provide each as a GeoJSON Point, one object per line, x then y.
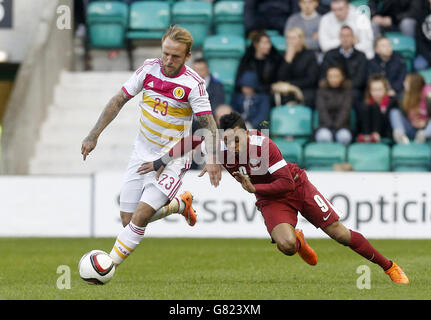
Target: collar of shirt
{"type": "Point", "coordinates": [207, 80]}
{"type": "Point", "coordinates": [310, 17]}
{"type": "Point", "coordinates": [346, 53]}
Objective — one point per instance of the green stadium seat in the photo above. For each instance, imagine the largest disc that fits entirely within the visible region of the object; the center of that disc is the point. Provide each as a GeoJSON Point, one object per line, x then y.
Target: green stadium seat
{"type": "Point", "coordinates": [279, 42]}
{"type": "Point", "coordinates": [321, 156]}
{"type": "Point", "coordinates": [148, 19]}
{"type": "Point", "coordinates": [195, 16]}
{"type": "Point", "coordinates": [427, 75]}
{"type": "Point", "coordinates": [411, 157]}
{"type": "Point", "coordinates": [358, 3]}
{"type": "Point", "coordinates": [107, 23]}
{"type": "Point", "coordinates": [293, 122]}
{"type": "Point", "coordinates": [369, 156]}
{"type": "Point", "coordinates": [228, 17]}
{"type": "Point", "coordinates": [223, 53]}
{"type": "Point", "coordinates": [404, 45]}
{"type": "Point", "coordinates": [291, 150]}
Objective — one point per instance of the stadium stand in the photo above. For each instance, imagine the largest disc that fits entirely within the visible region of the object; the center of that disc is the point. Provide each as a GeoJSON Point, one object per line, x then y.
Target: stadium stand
{"type": "Point", "coordinates": [294, 122]}
{"type": "Point", "coordinates": [291, 150]}
{"type": "Point", "coordinates": [228, 17]}
{"type": "Point", "coordinates": [321, 156]}
{"type": "Point", "coordinates": [369, 157]}
{"type": "Point", "coordinates": [195, 16]}
{"type": "Point", "coordinates": [411, 157]}
{"type": "Point", "coordinates": [107, 24]}
{"type": "Point", "coordinates": [69, 119]}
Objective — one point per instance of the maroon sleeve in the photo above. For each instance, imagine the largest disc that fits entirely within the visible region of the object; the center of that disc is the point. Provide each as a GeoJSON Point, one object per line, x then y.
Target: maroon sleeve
{"type": "Point", "coordinates": [185, 145]}
{"type": "Point", "coordinates": [281, 180]}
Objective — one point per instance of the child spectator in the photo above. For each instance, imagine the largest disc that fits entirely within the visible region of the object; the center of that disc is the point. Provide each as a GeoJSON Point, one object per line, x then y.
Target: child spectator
{"type": "Point", "coordinates": [308, 20]}
{"type": "Point", "coordinates": [253, 107]}
{"type": "Point", "coordinates": [413, 123]}
{"type": "Point", "coordinates": [390, 64]}
{"type": "Point", "coordinates": [300, 68]}
{"type": "Point", "coordinates": [262, 58]}
{"type": "Point", "coordinates": [334, 105]}
{"type": "Point", "coordinates": [375, 113]}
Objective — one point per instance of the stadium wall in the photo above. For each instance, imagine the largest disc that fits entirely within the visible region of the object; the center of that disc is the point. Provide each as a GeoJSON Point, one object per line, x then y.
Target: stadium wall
{"type": "Point", "coordinates": [48, 52]}
{"type": "Point", "coordinates": [380, 205]}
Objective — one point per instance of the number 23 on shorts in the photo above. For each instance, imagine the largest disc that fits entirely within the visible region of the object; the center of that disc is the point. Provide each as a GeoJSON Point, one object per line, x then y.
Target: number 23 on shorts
{"type": "Point", "coordinates": [166, 181]}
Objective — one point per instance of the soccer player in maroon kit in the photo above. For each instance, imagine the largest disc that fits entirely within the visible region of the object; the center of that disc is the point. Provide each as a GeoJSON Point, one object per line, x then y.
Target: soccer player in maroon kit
{"type": "Point", "coordinates": [281, 189]}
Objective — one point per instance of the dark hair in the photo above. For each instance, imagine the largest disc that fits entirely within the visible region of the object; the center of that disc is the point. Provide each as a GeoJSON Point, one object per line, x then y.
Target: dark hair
{"type": "Point", "coordinates": [200, 60]}
{"type": "Point", "coordinates": [232, 120]}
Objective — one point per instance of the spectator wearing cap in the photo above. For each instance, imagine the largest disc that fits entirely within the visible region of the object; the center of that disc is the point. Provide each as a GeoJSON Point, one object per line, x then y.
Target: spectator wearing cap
{"type": "Point", "coordinates": [253, 106]}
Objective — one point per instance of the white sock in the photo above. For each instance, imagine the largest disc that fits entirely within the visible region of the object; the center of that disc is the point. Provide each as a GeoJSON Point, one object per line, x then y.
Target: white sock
{"type": "Point", "coordinates": [175, 206]}
{"type": "Point", "coordinates": [126, 242]}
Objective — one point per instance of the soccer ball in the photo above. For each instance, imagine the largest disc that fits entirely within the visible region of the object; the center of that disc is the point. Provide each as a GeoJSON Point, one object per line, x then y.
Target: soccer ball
{"type": "Point", "coordinates": [96, 267]}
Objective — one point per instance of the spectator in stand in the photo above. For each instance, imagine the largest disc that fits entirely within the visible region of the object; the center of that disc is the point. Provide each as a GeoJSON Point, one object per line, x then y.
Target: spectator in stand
{"type": "Point", "coordinates": [375, 113]}
{"type": "Point", "coordinates": [260, 57]}
{"type": "Point", "coordinates": [308, 20]}
{"type": "Point", "coordinates": [423, 39]}
{"type": "Point", "coordinates": [220, 111]}
{"type": "Point", "coordinates": [390, 64]}
{"type": "Point", "coordinates": [324, 6]}
{"type": "Point", "coordinates": [413, 123]}
{"type": "Point", "coordinates": [344, 14]}
{"type": "Point", "coordinates": [352, 61]}
{"type": "Point", "coordinates": [214, 87]}
{"type": "Point", "coordinates": [334, 105]}
{"type": "Point", "coordinates": [394, 15]}
{"type": "Point", "coordinates": [253, 107]}
{"type": "Point", "coordinates": [267, 14]}
{"type": "Point", "coordinates": [299, 68]}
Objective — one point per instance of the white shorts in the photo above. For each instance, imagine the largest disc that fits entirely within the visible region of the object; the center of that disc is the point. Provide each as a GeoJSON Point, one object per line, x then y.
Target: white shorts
{"type": "Point", "coordinates": [132, 191]}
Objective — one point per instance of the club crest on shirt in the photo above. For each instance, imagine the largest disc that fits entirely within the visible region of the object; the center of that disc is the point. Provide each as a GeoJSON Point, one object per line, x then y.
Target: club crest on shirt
{"type": "Point", "coordinates": [179, 93]}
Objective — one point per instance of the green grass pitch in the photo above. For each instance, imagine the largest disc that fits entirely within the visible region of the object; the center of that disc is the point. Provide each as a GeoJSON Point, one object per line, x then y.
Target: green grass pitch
{"type": "Point", "coordinates": [210, 269]}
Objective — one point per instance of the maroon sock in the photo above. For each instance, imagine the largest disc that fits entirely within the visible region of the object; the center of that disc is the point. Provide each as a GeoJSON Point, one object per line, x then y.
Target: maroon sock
{"type": "Point", "coordinates": [360, 245]}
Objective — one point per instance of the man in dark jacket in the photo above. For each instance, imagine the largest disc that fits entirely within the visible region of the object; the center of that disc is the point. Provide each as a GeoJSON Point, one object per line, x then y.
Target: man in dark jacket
{"type": "Point", "coordinates": [262, 58]}
{"type": "Point", "coordinates": [389, 64]}
{"type": "Point", "coordinates": [353, 61]}
{"type": "Point", "coordinates": [268, 14]}
{"type": "Point", "coordinates": [214, 87]}
{"type": "Point", "coordinates": [394, 15]}
{"type": "Point", "coordinates": [423, 38]}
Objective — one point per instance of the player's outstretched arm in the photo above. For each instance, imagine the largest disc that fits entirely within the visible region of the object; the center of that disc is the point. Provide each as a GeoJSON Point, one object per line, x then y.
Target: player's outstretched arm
{"type": "Point", "coordinates": [108, 114]}
{"type": "Point", "coordinates": [182, 147]}
{"type": "Point", "coordinates": [212, 167]}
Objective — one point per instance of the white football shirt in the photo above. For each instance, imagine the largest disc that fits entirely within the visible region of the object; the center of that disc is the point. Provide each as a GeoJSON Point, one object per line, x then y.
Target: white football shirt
{"type": "Point", "coordinates": [167, 106]}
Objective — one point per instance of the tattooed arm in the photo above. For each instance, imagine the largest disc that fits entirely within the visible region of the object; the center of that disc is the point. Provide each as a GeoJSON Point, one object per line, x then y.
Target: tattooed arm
{"type": "Point", "coordinates": [108, 114]}
{"type": "Point", "coordinates": [212, 167]}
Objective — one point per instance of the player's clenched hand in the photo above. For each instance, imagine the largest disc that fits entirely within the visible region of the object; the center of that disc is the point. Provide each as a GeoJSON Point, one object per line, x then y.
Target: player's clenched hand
{"type": "Point", "coordinates": [148, 167]}
{"type": "Point", "coordinates": [245, 182]}
{"type": "Point", "coordinates": [88, 145]}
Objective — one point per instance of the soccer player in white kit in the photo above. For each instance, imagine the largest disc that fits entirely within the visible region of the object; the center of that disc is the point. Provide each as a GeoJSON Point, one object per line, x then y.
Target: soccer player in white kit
{"type": "Point", "coordinates": [171, 93]}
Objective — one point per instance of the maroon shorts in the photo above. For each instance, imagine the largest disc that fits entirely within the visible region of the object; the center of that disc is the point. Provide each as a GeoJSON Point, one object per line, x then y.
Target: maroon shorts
{"type": "Point", "coordinates": [306, 199]}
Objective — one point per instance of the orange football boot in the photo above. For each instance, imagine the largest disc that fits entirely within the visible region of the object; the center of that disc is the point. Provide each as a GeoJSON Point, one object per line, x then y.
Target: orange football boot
{"type": "Point", "coordinates": [188, 213]}
{"type": "Point", "coordinates": [397, 274]}
{"type": "Point", "coordinates": [306, 252]}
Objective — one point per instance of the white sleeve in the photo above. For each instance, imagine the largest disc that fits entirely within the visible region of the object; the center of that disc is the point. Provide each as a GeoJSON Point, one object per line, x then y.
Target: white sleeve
{"type": "Point", "coordinates": [135, 83]}
{"type": "Point", "coordinates": [327, 40]}
{"type": "Point", "coordinates": [199, 100]}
